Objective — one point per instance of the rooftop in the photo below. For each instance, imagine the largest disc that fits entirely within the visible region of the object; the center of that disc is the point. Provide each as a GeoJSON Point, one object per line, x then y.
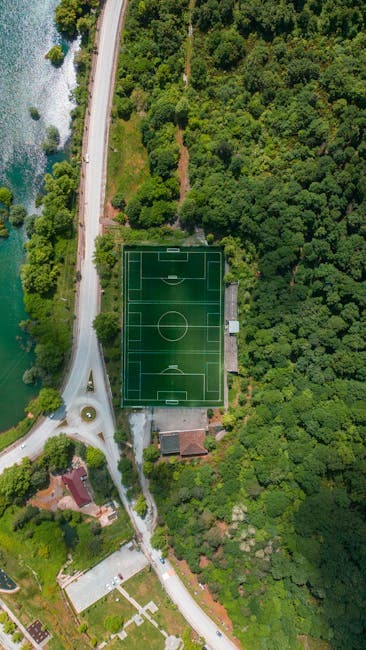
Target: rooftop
{"type": "Point", "coordinates": [231, 301]}
{"type": "Point", "coordinates": [169, 443]}
{"type": "Point", "coordinates": [233, 326]}
{"type": "Point", "coordinates": [185, 443]}
{"type": "Point", "coordinates": [73, 481]}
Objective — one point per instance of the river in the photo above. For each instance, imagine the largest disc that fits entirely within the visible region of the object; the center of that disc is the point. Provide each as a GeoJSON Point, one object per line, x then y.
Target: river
{"type": "Point", "coordinates": [26, 79]}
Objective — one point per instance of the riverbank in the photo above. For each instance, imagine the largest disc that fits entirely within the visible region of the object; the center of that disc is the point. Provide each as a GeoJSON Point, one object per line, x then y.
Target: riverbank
{"type": "Point", "coordinates": [26, 79]}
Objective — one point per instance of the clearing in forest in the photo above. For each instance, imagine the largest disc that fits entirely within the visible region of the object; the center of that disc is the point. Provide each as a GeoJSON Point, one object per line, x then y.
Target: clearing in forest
{"type": "Point", "coordinates": [173, 326]}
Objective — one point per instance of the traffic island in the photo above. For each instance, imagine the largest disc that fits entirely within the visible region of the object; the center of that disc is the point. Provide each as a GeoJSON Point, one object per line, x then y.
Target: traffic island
{"type": "Point", "coordinates": [88, 413]}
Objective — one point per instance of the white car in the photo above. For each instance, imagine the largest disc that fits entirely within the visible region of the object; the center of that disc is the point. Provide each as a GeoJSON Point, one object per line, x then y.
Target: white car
{"type": "Point", "coordinates": [23, 445]}
{"type": "Point", "coordinates": [86, 157]}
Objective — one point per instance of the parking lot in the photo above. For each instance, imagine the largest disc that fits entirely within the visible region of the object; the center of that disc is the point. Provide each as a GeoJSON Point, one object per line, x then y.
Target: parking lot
{"type": "Point", "coordinates": [105, 576]}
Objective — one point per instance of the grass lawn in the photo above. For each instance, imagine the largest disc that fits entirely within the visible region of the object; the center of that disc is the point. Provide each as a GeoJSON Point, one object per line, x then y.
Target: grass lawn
{"type": "Point", "coordinates": [33, 562]}
{"type": "Point", "coordinates": [107, 606]}
{"type": "Point", "coordinates": [127, 160]}
{"type": "Point", "coordinates": [142, 636]}
{"type": "Point", "coordinates": [144, 587]}
{"type": "Point", "coordinates": [145, 635]}
{"type": "Point", "coordinates": [61, 316]}
{"type": "Point", "coordinates": [33, 557]}
{"type": "Point", "coordinates": [113, 536]}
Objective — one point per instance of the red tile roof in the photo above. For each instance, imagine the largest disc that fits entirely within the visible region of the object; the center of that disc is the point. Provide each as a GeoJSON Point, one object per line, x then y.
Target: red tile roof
{"type": "Point", "coordinates": [73, 481]}
{"type": "Point", "coordinates": [192, 443]}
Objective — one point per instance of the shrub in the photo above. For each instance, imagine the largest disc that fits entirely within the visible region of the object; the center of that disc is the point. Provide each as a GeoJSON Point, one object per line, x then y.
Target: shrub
{"type": "Point", "coordinates": [151, 453]}
{"type": "Point", "coordinates": [228, 421]}
{"type": "Point", "coordinates": [49, 400]}
{"type": "Point", "coordinates": [34, 113]}
{"type": "Point", "coordinates": [141, 506]}
{"type": "Point", "coordinates": [55, 55]}
{"type": "Point", "coordinates": [118, 200]}
{"type": "Point", "coordinates": [6, 196]}
{"type": "Point", "coordinates": [94, 457]}
{"type": "Point", "coordinates": [106, 326]}
{"type": "Point", "coordinates": [210, 443]}
{"type": "Point", "coordinates": [31, 375]}
{"type": "Point", "coordinates": [113, 624]}
{"type": "Point", "coordinates": [82, 627]}
{"type": "Point", "coordinates": [51, 142]}
{"type": "Point", "coordinates": [124, 107]}
{"type": "Point", "coordinates": [17, 215]}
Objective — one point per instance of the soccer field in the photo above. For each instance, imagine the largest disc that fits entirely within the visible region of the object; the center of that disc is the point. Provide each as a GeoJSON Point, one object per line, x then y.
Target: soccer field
{"type": "Point", "coordinates": [173, 326]}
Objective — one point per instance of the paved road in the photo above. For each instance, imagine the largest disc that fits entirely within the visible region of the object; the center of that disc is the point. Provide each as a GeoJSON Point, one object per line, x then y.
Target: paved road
{"type": "Point", "coordinates": [87, 355]}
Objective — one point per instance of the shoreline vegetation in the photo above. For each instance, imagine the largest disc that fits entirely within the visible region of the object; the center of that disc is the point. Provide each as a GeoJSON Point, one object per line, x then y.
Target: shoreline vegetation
{"type": "Point", "coordinates": [35, 542]}
{"type": "Point", "coordinates": [48, 275]}
{"type": "Point", "coordinates": [272, 114]}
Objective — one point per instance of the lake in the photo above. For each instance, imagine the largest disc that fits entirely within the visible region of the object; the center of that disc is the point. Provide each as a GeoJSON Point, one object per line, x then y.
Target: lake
{"type": "Point", "coordinates": [27, 79]}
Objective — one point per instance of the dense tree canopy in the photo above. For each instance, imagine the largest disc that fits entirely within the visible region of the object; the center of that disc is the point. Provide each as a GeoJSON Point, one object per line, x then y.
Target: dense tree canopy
{"type": "Point", "coordinates": [56, 56]}
{"type": "Point", "coordinates": [49, 399]}
{"type": "Point", "coordinates": [59, 451]}
{"type": "Point", "coordinates": [47, 234]}
{"type": "Point", "coordinates": [52, 140]}
{"type": "Point", "coordinates": [17, 214]}
{"type": "Point", "coordinates": [6, 196]}
{"type": "Point", "coordinates": [274, 120]}
{"type": "Point", "coordinates": [69, 15]}
{"type": "Point", "coordinates": [106, 326]}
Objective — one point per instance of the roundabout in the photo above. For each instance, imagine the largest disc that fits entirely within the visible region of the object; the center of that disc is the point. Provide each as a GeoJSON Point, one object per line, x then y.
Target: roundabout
{"type": "Point", "coordinates": [88, 413]}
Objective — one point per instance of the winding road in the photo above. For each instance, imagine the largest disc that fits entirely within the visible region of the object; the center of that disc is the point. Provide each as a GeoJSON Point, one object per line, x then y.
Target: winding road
{"type": "Point", "coordinates": [86, 355]}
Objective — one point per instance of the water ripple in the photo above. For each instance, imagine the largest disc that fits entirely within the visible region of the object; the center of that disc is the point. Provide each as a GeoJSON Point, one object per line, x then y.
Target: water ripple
{"type": "Point", "coordinates": [27, 79]}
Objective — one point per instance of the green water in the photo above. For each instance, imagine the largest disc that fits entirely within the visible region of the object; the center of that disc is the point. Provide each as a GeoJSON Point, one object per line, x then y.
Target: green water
{"type": "Point", "coordinates": [26, 33]}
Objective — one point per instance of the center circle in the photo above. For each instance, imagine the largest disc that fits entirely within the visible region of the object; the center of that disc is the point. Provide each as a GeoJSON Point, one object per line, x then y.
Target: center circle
{"type": "Point", "coordinates": [172, 326]}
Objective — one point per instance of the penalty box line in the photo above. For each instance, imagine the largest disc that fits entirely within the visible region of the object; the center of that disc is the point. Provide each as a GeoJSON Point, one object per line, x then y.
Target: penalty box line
{"type": "Point", "coordinates": [181, 352]}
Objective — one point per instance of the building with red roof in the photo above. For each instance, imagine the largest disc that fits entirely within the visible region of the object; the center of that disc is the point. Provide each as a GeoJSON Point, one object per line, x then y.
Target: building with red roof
{"type": "Point", "coordinates": [185, 443]}
{"type": "Point", "coordinates": [75, 482]}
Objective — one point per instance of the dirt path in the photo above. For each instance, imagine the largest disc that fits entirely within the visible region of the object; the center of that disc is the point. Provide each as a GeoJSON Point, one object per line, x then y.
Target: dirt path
{"type": "Point", "coordinates": [183, 163]}
{"type": "Point", "coordinates": [182, 166]}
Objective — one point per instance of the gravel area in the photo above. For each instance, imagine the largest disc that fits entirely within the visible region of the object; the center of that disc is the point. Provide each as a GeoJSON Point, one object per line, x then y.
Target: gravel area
{"type": "Point", "coordinates": [179, 419]}
{"type": "Point", "coordinates": [140, 423]}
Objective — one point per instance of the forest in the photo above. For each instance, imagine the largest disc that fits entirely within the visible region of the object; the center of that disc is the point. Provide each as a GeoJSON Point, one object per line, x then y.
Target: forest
{"type": "Point", "coordinates": [272, 110]}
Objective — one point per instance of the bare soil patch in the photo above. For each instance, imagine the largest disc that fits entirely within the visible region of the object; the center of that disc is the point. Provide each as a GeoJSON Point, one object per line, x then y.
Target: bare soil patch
{"type": "Point", "coordinates": [182, 167]}
{"type": "Point", "coordinates": [204, 561]}
{"type": "Point", "coordinates": [204, 597]}
{"type": "Point", "coordinates": [49, 498]}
